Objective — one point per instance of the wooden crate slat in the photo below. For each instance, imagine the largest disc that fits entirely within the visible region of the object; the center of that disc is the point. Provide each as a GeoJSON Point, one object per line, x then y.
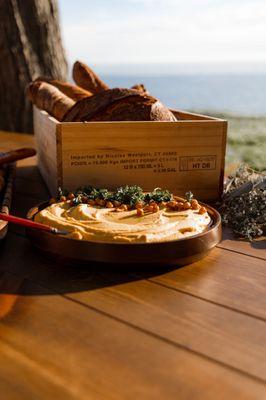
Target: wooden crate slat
{"type": "Point", "coordinates": [184, 155]}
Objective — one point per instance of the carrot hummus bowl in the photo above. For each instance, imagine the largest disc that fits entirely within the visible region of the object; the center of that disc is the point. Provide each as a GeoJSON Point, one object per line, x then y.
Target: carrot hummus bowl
{"type": "Point", "coordinates": [127, 226]}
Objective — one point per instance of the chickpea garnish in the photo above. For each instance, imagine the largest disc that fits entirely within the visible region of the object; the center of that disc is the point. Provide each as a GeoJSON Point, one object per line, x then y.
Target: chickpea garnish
{"type": "Point", "coordinates": [109, 204]}
{"type": "Point", "coordinates": [202, 210]}
{"type": "Point", "coordinates": [179, 206]}
{"type": "Point", "coordinates": [116, 203]}
{"type": "Point", "coordinates": [100, 202]}
{"type": "Point", "coordinates": [91, 202]}
{"type": "Point", "coordinates": [85, 199]}
{"type": "Point", "coordinates": [139, 205]}
{"type": "Point", "coordinates": [148, 208]}
{"type": "Point", "coordinates": [156, 208]}
{"type": "Point", "coordinates": [186, 205]}
{"type": "Point", "coordinates": [70, 196]}
{"type": "Point", "coordinates": [140, 212]}
{"type": "Point", "coordinates": [62, 198]}
{"type": "Point", "coordinates": [194, 204]}
{"type": "Point", "coordinates": [172, 204]}
{"type": "Point", "coordinates": [123, 207]}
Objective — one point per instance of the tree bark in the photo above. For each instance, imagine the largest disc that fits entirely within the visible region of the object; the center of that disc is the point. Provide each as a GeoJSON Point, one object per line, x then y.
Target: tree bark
{"type": "Point", "coordinates": [30, 46]}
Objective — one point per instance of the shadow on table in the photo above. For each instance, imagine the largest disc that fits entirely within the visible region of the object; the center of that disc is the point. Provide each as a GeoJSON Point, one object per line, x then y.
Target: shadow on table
{"type": "Point", "coordinates": [30, 183]}
{"type": "Point", "coordinates": [259, 244]}
{"type": "Point", "coordinates": [51, 277]}
{"type": "Point", "coordinates": [36, 274]}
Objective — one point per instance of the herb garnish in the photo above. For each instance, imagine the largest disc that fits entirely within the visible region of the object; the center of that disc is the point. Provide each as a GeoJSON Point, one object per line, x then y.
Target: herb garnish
{"type": "Point", "coordinates": [130, 195]}
{"type": "Point", "coordinates": [244, 203]}
{"type": "Point", "coordinates": [158, 195]}
{"type": "Point", "coordinates": [189, 196]}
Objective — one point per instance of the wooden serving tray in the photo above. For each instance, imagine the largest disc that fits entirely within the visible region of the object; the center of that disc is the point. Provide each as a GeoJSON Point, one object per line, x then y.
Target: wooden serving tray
{"type": "Point", "coordinates": [5, 198]}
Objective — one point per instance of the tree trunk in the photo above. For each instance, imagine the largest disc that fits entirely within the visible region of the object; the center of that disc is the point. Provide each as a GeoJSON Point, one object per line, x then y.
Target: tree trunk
{"type": "Point", "coordinates": [30, 45]}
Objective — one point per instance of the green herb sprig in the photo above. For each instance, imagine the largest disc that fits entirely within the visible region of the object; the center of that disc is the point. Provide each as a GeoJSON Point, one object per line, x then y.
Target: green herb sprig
{"type": "Point", "coordinates": [158, 195]}
{"type": "Point", "coordinates": [130, 195]}
{"type": "Point", "coordinates": [244, 203]}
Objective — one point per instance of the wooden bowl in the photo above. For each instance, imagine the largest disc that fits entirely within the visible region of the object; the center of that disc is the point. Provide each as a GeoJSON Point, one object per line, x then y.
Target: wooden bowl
{"type": "Point", "coordinates": [175, 252]}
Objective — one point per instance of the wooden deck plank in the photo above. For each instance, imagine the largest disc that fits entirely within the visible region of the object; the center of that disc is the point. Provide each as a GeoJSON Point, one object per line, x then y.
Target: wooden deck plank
{"type": "Point", "coordinates": [240, 288]}
{"type": "Point", "coordinates": [230, 279]}
{"type": "Point", "coordinates": [257, 248]}
{"type": "Point", "coordinates": [224, 335]}
{"type": "Point", "coordinates": [12, 140]}
{"type": "Point", "coordinates": [19, 379]}
{"type": "Point", "coordinates": [96, 357]}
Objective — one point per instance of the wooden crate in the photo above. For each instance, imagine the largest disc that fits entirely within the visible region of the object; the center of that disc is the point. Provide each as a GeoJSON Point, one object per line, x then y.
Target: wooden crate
{"type": "Point", "coordinates": [184, 155]}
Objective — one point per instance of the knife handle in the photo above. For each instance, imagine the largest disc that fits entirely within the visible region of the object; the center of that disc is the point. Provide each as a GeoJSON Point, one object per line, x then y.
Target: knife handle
{"type": "Point", "coordinates": [15, 155]}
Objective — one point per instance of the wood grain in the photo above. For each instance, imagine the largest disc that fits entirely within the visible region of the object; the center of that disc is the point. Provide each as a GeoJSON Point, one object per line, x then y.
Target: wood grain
{"type": "Point", "coordinates": [90, 355]}
{"type": "Point", "coordinates": [73, 154]}
{"type": "Point", "coordinates": [205, 328]}
{"type": "Point", "coordinates": [13, 140]}
{"type": "Point", "coordinates": [69, 332]}
{"type": "Point", "coordinates": [46, 143]}
{"type": "Point", "coordinates": [257, 248]}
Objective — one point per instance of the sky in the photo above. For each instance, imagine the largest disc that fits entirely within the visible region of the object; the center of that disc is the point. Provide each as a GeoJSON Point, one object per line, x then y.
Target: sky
{"type": "Point", "coordinates": [128, 32]}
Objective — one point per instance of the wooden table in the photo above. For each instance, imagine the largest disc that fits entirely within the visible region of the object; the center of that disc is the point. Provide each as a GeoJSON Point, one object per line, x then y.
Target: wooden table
{"type": "Point", "coordinates": [196, 332]}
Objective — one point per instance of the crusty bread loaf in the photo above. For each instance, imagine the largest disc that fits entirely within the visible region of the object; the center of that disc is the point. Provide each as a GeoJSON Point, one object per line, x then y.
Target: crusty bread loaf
{"type": "Point", "coordinates": [85, 77]}
{"type": "Point", "coordinates": [119, 105]}
{"type": "Point", "coordinates": [47, 97]}
{"type": "Point", "coordinates": [76, 93]}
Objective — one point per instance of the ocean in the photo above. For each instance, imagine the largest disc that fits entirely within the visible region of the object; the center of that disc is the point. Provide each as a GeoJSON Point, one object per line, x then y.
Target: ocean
{"type": "Point", "coordinates": [237, 94]}
{"type": "Point", "coordinates": [239, 98]}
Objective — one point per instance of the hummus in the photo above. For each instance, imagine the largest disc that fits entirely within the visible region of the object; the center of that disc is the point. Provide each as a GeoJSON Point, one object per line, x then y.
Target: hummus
{"type": "Point", "coordinates": [97, 224]}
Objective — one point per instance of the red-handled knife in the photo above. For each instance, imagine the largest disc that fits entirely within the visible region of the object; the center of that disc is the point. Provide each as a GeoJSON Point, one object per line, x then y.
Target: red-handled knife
{"type": "Point", "coordinates": [27, 223]}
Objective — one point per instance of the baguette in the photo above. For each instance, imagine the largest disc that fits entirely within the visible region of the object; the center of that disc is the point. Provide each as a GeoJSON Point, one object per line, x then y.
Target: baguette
{"type": "Point", "coordinates": [47, 97]}
{"type": "Point", "coordinates": [119, 105]}
{"type": "Point", "coordinates": [85, 77]}
{"type": "Point", "coordinates": [76, 93]}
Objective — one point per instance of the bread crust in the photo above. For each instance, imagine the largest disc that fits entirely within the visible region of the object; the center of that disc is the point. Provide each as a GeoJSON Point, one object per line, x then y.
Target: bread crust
{"type": "Point", "coordinates": [119, 105]}
{"type": "Point", "coordinates": [86, 78]}
{"type": "Point", "coordinates": [47, 97]}
{"type": "Point", "coordinates": [75, 92]}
